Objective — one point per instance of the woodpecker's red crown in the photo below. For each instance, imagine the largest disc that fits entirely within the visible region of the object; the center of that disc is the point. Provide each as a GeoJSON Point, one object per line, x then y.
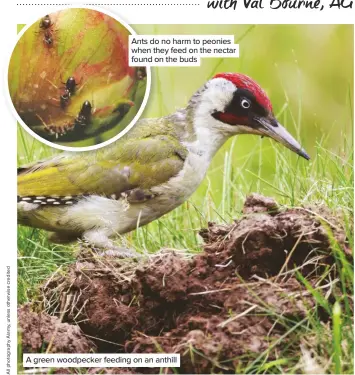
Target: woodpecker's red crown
{"type": "Point", "coordinates": [242, 81]}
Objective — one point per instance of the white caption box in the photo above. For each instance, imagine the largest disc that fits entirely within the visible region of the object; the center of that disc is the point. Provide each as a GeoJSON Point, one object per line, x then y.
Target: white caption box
{"type": "Point", "coordinates": [101, 360]}
{"type": "Point", "coordinates": [179, 50]}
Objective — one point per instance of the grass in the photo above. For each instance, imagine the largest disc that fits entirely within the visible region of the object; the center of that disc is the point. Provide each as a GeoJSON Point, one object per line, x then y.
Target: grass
{"type": "Point", "coordinates": [244, 165]}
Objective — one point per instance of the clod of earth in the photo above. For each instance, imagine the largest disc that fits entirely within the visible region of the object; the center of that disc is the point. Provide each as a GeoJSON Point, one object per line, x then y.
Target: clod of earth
{"type": "Point", "coordinates": [40, 332]}
{"type": "Point", "coordinates": [212, 308]}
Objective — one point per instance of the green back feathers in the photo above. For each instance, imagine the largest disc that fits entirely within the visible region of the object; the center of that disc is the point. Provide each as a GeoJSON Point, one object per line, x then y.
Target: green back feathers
{"type": "Point", "coordinates": [147, 156]}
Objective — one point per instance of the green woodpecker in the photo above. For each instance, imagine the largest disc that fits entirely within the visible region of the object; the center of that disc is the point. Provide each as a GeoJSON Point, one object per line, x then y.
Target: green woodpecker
{"type": "Point", "coordinates": [150, 171]}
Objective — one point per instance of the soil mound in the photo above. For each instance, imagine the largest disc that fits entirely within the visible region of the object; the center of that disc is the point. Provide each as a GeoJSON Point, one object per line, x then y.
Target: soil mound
{"type": "Point", "coordinates": [40, 332]}
{"type": "Point", "coordinates": [213, 308]}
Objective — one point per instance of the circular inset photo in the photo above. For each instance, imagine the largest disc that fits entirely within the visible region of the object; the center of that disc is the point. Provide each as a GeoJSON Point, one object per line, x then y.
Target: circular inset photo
{"type": "Point", "coordinates": [70, 83]}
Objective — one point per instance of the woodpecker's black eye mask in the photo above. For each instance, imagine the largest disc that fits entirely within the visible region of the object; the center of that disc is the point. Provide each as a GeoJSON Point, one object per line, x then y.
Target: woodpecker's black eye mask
{"type": "Point", "coordinates": [235, 106]}
{"type": "Point", "coordinates": [241, 110]}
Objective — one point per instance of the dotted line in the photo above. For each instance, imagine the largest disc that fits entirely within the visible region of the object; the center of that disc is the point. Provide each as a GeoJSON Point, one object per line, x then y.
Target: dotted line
{"type": "Point", "coordinates": [119, 4]}
{"type": "Point", "coordinates": [44, 4]}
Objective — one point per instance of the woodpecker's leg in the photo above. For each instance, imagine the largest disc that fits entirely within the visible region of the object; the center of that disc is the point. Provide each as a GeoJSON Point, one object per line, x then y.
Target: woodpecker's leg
{"type": "Point", "coordinates": [100, 241]}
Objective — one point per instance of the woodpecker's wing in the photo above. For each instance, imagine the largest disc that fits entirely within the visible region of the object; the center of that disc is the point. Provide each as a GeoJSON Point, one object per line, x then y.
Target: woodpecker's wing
{"type": "Point", "coordinates": [133, 163]}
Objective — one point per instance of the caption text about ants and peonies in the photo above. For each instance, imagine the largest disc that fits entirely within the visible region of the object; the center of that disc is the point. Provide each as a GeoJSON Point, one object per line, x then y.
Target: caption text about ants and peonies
{"type": "Point", "coordinates": [179, 50]}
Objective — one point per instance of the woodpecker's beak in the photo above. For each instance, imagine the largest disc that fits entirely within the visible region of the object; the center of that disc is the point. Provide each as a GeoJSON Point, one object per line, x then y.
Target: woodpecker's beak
{"type": "Point", "coordinates": [270, 127]}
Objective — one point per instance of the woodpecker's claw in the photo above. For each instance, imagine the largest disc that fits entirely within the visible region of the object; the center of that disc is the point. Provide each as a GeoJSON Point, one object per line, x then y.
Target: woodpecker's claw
{"type": "Point", "coordinates": [119, 252]}
{"type": "Point", "coordinates": [110, 250]}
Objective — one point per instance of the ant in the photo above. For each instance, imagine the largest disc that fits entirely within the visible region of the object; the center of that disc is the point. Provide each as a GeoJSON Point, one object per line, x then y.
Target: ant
{"type": "Point", "coordinates": [84, 116]}
{"type": "Point", "coordinates": [46, 25]}
{"type": "Point", "coordinates": [45, 22]}
{"type": "Point", "coordinates": [69, 90]}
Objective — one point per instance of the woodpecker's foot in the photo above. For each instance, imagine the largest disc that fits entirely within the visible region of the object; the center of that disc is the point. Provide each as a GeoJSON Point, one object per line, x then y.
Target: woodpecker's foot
{"type": "Point", "coordinates": [112, 252]}
{"type": "Point", "coordinates": [98, 242]}
{"type": "Point", "coordinates": [120, 252]}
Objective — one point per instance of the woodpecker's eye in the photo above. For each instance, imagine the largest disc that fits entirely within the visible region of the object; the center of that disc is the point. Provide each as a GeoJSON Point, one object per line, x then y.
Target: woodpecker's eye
{"type": "Point", "coordinates": [245, 103]}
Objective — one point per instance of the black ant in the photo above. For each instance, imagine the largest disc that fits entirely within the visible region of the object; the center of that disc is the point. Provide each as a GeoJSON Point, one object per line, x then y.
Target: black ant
{"type": "Point", "coordinates": [46, 25]}
{"type": "Point", "coordinates": [84, 116]}
{"type": "Point", "coordinates": [45, 22]}
{"type": "Point", "coordinates": [69, 90]}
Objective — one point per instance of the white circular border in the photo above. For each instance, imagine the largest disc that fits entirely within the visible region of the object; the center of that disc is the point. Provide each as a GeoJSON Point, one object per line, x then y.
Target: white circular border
{"type": "Point", "coordinates": [88, 148]}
